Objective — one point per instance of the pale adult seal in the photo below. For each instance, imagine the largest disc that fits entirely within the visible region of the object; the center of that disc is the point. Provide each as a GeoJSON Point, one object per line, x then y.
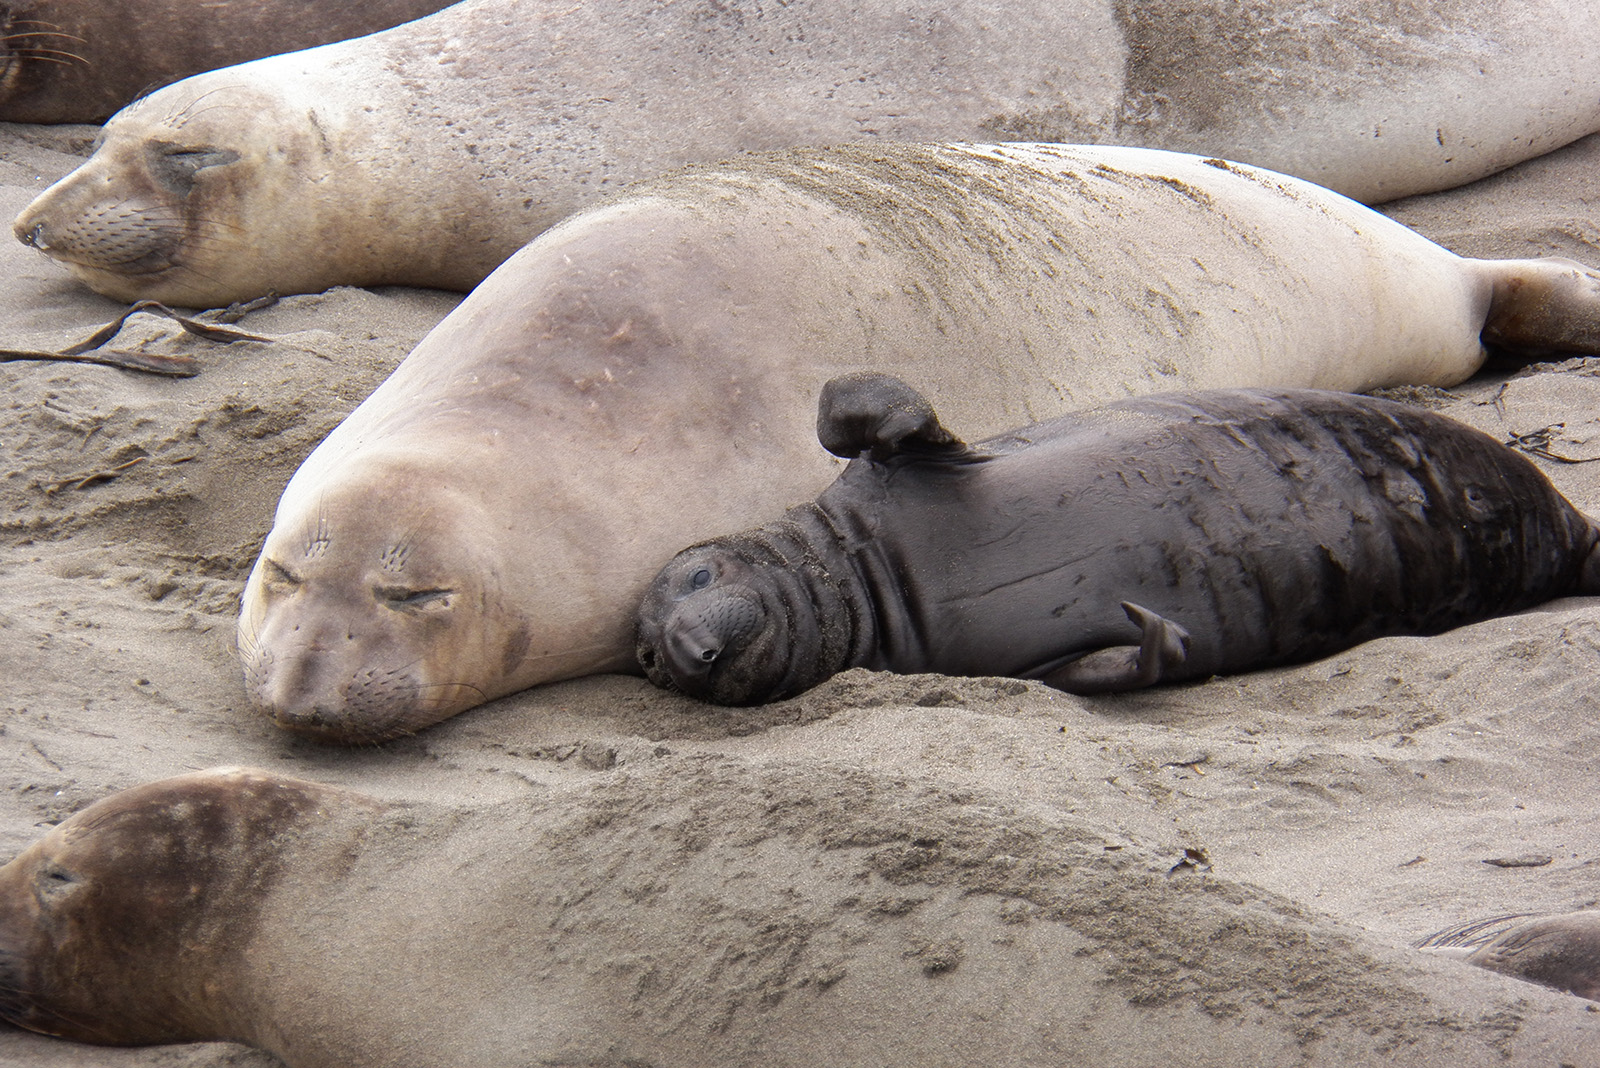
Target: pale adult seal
{"type": "Point", "coordinates": [1153, 540]}
{"type": "Point", "coordinates": [644, 376]}
{"type": "Point", "coordinates": [1560, 951]}
{"type": "Point", "coordinates": [81, 60]}
{"type": "Point", "coordinates": [824, 917]}
{"type": "Point", "coordinates": [427, 154]}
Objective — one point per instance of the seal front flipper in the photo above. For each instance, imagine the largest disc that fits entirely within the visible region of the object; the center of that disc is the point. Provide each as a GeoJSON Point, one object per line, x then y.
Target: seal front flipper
{"type": "Point", "coordinates": [878, 416]}
{"type": "Point", "coordinates": [1163, 646]}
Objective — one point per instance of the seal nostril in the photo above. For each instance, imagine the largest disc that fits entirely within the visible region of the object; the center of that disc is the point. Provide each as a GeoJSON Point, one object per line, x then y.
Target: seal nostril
{"type": "Point", "coordinates": [708, 655]}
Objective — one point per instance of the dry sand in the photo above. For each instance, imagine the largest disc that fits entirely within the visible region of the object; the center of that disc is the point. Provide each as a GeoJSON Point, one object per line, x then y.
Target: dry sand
{"type": "Point", "coordinates": [1367, 789]}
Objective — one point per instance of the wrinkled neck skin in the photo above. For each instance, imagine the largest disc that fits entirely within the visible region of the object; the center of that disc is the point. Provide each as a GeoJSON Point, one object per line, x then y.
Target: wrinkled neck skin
{"type": "Point", "coordinates": [825, 613]}
{"type": "Point", "coordinates": [838, 592]}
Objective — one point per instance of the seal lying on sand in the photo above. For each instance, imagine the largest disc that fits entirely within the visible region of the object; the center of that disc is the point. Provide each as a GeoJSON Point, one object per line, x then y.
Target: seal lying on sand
{"type": "Point", "coordinates": [645, 376]}
{"type": "Point", "coordinates": [81, 60]}
{"type": "Point", "coordinates": [1153, 540]}
{"type": "Point", "coordinates": [694, 912]}
{"type": "Point", "coordinates": [427, 154]}
{"type": "Point", "coordinates": [1561, 952]}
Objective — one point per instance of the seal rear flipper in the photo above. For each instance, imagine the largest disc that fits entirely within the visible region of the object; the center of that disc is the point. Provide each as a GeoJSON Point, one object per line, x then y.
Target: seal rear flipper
{"type": "Point", "coordinates": [1164, 646]}
{"type": "Point", "coordinates": [878, 416]}
{"type": "Point", "coordinates": [1541, 307]}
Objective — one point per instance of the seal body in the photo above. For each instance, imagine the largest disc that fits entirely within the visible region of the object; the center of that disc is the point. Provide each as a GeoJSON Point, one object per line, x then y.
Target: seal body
{"type": "Point", "coordinates": [1560, 951]}
{"type": "Point", "coordinates": [607, 920]}
{"type": "Point", "coordinates": [427, 154]}
{"type": "Point", "coordinates": [643, 377]}
{"type": "Point", "coordinates": [1153, 540]}
{"type": "Point", "coordinates": [82, 60]}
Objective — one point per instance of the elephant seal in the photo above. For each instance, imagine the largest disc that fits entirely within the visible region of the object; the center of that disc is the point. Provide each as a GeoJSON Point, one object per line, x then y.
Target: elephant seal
{"type": "Point", "coordinates": [644, 375]}
{"type": "Point", "coordinates": [1234, 529]}
{"type": "Point", "coordinates": [81, 60]}
{"type": "Point", "coordinates": [690, 911]}
{"type": "Point", "coordinates": [116, 926]}
{"type": "Point", "coordinates": [1561, 951]}
{"type": "Point", "coordinates": [428, 154]}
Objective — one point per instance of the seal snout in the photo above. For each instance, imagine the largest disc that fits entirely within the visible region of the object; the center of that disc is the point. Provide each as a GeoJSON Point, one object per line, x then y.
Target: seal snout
{"type": "Point", "coordinates": [704, 629]}
{"type": "Point", "coordinates": [81, 222]}
{"type": "Point", "coordinates": [31, 235]}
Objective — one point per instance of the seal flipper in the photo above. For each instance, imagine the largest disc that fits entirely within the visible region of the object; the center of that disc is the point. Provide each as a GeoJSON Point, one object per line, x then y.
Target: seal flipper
{"type": "Point", "coordinates": [1164, 646]}
{"type": "Point", "coordinates": [1541, 307]}
{"type": "Point", "coordinates": [878, 416]}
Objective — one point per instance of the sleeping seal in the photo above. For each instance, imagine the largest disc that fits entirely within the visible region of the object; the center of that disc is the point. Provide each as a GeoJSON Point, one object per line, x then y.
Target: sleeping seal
{"type": "Point", "coordinates": [693, 911]}
{"type": "Point", "coordinates": [645, 375]}
{"type": "Point", "coordinates": [1173, 537]}
{"type": "Point", "coordinates": [429, 153]}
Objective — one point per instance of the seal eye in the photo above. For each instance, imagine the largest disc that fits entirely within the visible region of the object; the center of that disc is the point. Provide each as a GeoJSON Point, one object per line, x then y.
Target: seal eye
{"type": "Point", "coordinates": [278, 578]}
{"type": "Point", "coordinates": [404, 600]}
{"type": "Point", "coordinates": [175, 166]}
{"type": "Point", "coordinates": [700, 579]}
{"type": "Point", "coordinates": [54, 880]}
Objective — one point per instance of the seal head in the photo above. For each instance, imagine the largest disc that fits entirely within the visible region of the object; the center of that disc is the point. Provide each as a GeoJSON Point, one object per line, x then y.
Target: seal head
{"type": "Point", "coordinates": [368, 623]}
{"type": "Point", "coordinates": [159, 208]}
{"type": "Point", "coordinates": [110, 924]}
{"type": "Point", "coordinates": [747, 619]}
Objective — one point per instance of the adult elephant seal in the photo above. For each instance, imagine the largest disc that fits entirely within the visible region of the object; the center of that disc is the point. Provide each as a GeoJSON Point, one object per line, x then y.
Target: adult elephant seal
{"type": "Point", "coordinates": [81, 60]}
{"type": "Point", "coordinates": [1561, 951]}
{"type": "Point", "coordinates": [644, 375]}
{"type": "Point", "coordinates": [694, 912]}
{"type": "Point", "coordinates": [428, 154]}
{"type": "Point", "coordinates": [1152, 540]}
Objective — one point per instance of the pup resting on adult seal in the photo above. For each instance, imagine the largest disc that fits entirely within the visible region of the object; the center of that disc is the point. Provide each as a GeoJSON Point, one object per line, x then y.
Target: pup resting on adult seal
{"type": "Point", "coordinates": [1153, 540]}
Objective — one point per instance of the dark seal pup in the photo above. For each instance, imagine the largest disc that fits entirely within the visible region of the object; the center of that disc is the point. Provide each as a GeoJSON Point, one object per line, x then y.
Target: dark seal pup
{"type": "Point", "coordinates": [1153, 540]}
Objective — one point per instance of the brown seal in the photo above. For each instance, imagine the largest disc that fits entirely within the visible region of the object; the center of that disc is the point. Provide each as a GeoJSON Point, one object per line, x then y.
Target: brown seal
{"type": "Point", "coordinates": [1560, 951]}
{"type": "Point", "coordinates": [427, 154]}
{"type": "Point", "coordinates": [694, 911]}
{"type": "Point", "coordinates": [81, 60]}
{"type": "Point", "coordinates": [644, 376]}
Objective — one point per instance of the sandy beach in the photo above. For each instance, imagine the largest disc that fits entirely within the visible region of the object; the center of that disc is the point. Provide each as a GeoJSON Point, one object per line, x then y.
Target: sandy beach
{"type": "Point", "coordinates": [1363, 793]}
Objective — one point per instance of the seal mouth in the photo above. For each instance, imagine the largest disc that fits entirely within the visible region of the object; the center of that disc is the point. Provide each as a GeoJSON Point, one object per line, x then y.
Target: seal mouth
{"type": "Point", "coordinates": [712, 645]}
{"type": "Point", "coordinates": [16, 1005]}
{"type": "Point", "coordinates": [106, 252]}
{"type": "Point", "coordinates": [705, 632]}
{"type": "Point", "coordinates": [345, 726]}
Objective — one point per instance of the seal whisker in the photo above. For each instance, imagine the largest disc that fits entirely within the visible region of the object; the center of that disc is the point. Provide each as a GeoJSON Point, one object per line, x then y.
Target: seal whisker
{"type": "Point", "coordinates": [451, 685]}
{"type": "Point", "coordinates": [150, 214]}
{"type": "Point", "coordinates": [42, 33]}
{"type": "Point", "coordinates": [52, 1016]}
{"type": "Point", "coordinates": [44, 56]}
{"type": "Point", "coordinates": [192, 111]}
